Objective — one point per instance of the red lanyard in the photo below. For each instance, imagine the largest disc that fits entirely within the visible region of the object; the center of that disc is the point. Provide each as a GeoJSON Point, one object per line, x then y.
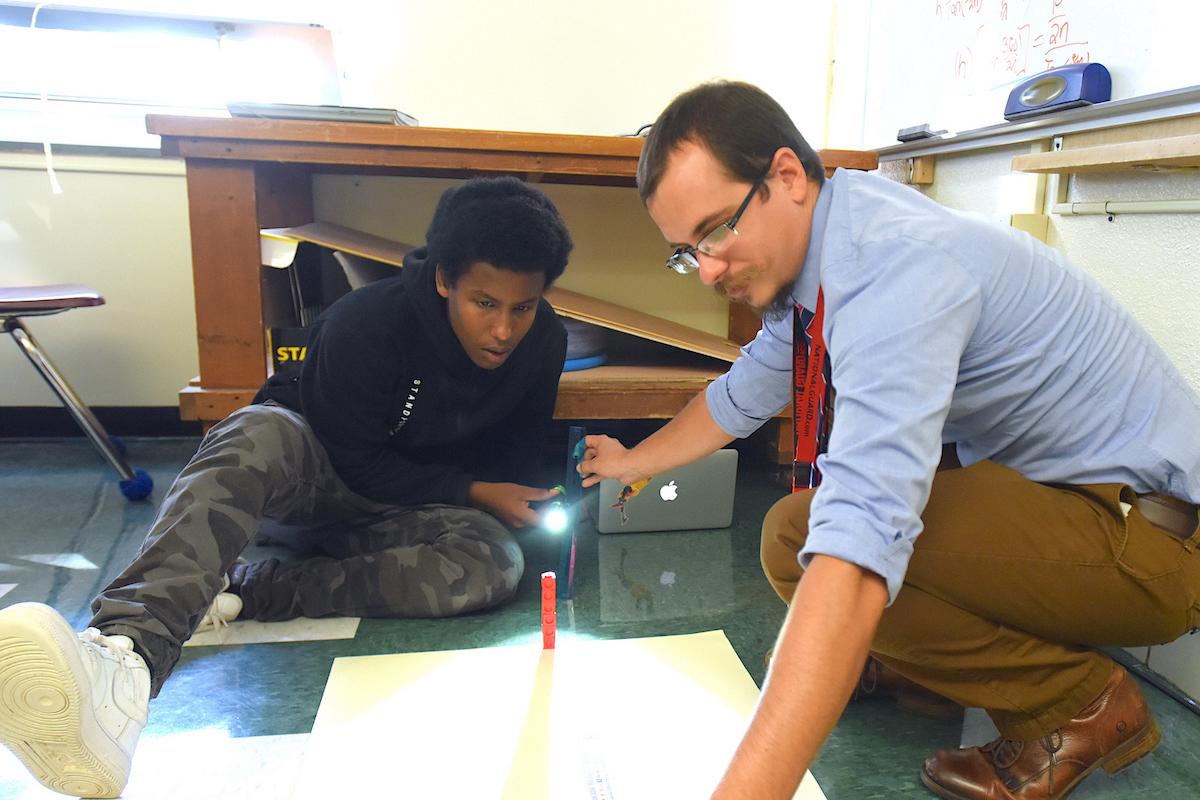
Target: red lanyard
{"type": "Point", "coordinates": [812, 390]}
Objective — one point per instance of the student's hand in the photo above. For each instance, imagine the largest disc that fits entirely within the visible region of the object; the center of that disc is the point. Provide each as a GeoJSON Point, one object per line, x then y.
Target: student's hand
{"type": "Point", "coordinates": [509, 502]}
{"type": "Point", "coordinates": [605, 457]}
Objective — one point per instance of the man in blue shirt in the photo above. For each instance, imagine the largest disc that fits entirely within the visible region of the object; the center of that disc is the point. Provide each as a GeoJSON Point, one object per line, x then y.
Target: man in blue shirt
{"type": "Point", "coordinates": [1071, 523]}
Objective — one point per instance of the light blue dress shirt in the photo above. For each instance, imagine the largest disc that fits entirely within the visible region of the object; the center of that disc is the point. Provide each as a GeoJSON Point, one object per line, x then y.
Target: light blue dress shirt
{"type": "Point", "coordinates": [943, 327]}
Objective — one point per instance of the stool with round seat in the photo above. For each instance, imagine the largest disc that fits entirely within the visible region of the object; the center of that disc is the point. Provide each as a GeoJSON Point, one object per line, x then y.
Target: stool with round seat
{"type": "Point", "coordinates": [39, 301]}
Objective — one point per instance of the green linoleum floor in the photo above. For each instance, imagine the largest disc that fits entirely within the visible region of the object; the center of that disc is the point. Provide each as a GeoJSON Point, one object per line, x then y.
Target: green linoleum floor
{"type": "Point", "coordinates": [56, 498]}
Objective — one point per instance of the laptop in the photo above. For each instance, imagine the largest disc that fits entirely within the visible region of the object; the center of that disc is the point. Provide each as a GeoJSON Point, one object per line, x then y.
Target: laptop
{"type": "Point", "coordinates": [696, 495]}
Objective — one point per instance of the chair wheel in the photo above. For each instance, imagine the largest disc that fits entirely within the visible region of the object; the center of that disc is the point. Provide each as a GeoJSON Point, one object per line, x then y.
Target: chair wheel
{"type": "Point", "coordinates": [139, 486]}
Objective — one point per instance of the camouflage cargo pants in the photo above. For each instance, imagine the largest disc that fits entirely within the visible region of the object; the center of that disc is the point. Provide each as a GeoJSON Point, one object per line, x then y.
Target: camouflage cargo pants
{"type": "Point", "coordinates": [262, 467]}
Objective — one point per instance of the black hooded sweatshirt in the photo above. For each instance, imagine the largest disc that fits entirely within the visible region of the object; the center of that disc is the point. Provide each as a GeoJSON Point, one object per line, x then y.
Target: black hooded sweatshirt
{"type": "Point", "coordinates": [406, 417]}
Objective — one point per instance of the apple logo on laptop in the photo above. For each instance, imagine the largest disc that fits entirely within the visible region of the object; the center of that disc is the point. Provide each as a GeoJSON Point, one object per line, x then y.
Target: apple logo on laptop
{"type": "Point", "coordinates": [669, 492]}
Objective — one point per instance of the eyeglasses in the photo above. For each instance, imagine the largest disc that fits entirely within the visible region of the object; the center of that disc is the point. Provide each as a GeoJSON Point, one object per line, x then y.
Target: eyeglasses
{"type": "Point", "coordinates": [716, 241]}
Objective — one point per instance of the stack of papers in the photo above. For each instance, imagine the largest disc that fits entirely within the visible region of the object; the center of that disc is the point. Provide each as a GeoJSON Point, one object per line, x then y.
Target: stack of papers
{"type": "Point", "coordinates": [381, 116]}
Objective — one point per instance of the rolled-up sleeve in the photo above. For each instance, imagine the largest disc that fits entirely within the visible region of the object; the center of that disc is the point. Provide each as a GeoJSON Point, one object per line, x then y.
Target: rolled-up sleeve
{"type": "Point", "coordinates": [898, 318]}
{"type": "Point", "coordinates": [758, 385]}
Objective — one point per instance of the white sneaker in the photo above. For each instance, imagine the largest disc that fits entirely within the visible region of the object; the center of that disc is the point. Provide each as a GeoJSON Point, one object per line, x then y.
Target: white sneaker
{"type": "Point", "coordinates": [72, 705]}
{"type": "Point", "coordinates": [224, 609]}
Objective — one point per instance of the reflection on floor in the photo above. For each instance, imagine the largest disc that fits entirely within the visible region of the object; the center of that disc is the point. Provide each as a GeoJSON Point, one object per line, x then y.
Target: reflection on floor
{"type": "Point", "coordinates": [239, 714]}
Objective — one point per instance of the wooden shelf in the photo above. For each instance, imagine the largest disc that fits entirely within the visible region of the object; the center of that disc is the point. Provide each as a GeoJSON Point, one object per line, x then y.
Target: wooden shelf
{"type": "Point", "coordinates": [607, 392]}
{"type": "Point", "coordinates": [421, 151]}
{"type": "Point", "coordinates": [636, 323]}
{"type": "Point", "coordinates": [630, 392]}
{"type": "Point", "coordinates": [1150, 154]}
{"type": "Point", "coordinates": [447, 152]}
{"type": "Point", "coordinates": [209, 405]}
{"type": "Point", "coordinates": [247, 175]}
{"type": "Point", "coordinates": [347, 240]}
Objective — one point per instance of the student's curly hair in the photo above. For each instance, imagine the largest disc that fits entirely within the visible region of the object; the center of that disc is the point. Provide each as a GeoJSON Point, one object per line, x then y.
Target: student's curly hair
{"type": "Point", "coordinates": [502, 221]}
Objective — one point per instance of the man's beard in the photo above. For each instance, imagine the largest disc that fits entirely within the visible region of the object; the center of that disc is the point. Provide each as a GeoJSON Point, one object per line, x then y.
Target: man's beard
{"type": "Point", "coordinates": [781, 305]}
{"type": "Point", "coordinates": [779, 308]}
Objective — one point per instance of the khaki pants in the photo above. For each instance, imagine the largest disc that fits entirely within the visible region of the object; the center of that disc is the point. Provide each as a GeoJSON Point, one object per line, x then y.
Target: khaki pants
{"type": "Point", "coordinates": [1011, 587]}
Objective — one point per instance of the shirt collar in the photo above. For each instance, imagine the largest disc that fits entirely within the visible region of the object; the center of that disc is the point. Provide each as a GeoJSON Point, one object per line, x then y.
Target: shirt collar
{"type": "Point", "coordinates": [808, 282]}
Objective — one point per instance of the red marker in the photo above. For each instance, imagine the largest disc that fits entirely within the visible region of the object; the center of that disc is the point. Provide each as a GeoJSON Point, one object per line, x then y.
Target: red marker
{"type": "Point", "coordinates": [549, 612]}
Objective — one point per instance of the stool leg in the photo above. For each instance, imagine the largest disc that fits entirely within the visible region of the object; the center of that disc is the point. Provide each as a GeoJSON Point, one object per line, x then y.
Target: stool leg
{"type": "Point", "coordinates": [82, 414]}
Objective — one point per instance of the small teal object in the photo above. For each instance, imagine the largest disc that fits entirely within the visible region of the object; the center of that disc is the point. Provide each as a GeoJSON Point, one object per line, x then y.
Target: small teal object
{"type": "Point", "coordinates": [580, 447]}
{"type": "Point", "coordinates": [584, 362]}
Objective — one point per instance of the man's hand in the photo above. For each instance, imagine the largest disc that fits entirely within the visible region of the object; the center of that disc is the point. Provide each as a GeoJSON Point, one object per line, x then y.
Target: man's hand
{"type": "Point", "coordinates": [691, 435]}
{"type": "Point", "coordinates": [817, 662]}
{"type": "Point", "coordinates": [605, 457]}
{"type": "Point", "coordinates": [509, 502]}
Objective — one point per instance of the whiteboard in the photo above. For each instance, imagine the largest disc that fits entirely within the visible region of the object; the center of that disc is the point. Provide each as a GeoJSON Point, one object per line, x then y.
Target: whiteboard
{"type": "Point", "coordinates": [952, 63]}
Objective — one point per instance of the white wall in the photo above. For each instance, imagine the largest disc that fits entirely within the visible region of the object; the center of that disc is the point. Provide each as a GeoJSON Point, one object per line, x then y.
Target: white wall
{"type": "Point", "coordinates": [560, 67]}
{"type": "Point", "coordinates": [985, 184]}
{"type": "Point", "coordinates": [123, 234]}
{"type": "Point", "coordinates": [1150, 263]}
{"type": "Point", "coordinates": [578, 67]}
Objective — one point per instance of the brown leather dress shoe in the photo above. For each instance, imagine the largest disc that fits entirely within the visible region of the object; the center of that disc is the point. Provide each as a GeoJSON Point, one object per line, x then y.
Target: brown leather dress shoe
{"type": "Point", "coordinates": [881, 681]}
{"type": "Point", "coordinates": [1112, 732]}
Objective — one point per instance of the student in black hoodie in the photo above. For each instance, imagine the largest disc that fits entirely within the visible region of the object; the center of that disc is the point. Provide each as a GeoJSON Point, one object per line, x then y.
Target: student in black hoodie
{"type": "Point", "coordinates": [403, 451]}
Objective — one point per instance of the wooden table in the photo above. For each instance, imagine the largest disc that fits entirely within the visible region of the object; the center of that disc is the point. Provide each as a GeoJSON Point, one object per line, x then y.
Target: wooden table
{"type": "Point", "coordinates": [247, 174]}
